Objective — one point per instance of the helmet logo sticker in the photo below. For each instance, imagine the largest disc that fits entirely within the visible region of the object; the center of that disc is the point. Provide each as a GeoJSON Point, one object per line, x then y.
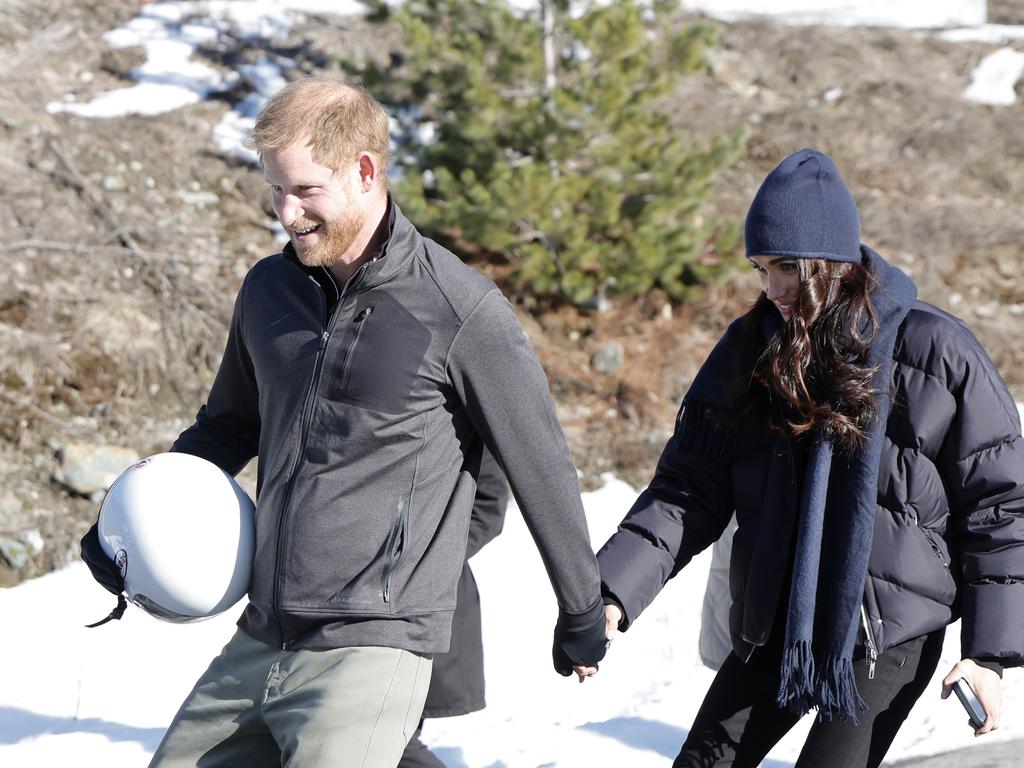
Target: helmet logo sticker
{"type": "Point", "coordinates": [121, 561]}
{"type": "Point", "coordinates": [141, 464]}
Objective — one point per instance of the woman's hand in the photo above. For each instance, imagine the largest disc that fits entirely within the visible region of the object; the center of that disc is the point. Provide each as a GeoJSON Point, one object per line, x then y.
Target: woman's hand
{"type": "Point", "coordinates": [612, 617]}
{"type": "Point", "coordinates": [986, 684]}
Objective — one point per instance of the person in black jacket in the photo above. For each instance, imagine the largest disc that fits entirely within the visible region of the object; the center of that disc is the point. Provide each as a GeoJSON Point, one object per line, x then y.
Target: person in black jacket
{"type": "Point", "coordinates": [874, 460]}
{"type": "Point", "coordinates": [457, 677]}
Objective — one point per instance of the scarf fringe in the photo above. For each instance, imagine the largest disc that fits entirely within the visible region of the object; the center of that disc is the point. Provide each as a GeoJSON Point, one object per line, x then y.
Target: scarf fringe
{"type": "Point", "coordinates": [698, 430]}
{"type": "Point", "coordinates": [832, 690]}
{"type": "Point", "coordinates": [796, 686]}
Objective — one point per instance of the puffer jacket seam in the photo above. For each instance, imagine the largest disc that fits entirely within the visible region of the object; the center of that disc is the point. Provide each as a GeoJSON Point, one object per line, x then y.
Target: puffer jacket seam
{"type": "Point", "coordinates": [899, 446]}
{"type": "Point", "coordinates": [906, 588]}
{"type": "Point", "coordinates": [1004, 581]}
{"type": "Point", "coordinates": [928, 374]}
{"type": "Point", "coordinates": [986, 449]}
{"type": "Point", "coordinates": [974, 354]}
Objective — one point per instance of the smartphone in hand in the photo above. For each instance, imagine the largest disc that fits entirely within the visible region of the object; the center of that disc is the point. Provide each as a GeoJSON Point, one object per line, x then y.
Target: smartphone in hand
{"type": "Point", "coordinates": [975, 711]}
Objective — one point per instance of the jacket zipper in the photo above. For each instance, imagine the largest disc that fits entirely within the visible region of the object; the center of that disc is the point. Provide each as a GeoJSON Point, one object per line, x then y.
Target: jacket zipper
{"type": "Point", "coordinates": [306, 417]}
{"type": "Point", "coordinates": [396, 546]}
{"type": "Point", "coordinates": [869, 641]}
{"type": "Point", "coordinates": [346, 366]}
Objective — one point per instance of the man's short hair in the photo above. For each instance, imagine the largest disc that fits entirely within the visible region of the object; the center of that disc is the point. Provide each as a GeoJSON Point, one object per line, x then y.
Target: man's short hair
{"type": "Point", "coordinates": [337, 119]}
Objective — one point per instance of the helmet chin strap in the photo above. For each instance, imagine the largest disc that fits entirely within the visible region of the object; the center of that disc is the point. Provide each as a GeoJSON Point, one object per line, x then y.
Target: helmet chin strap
{"type": "Point", "coordinates": [115, 614]}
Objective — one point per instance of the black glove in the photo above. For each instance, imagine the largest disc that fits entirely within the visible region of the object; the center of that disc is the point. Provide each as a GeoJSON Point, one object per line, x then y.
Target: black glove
{"type": "Point", "coordinates": [579, 639]}
{"type": "Point", "coordinates": [101, 566]}
{"type": "Point", "coordinates": [105, 572]}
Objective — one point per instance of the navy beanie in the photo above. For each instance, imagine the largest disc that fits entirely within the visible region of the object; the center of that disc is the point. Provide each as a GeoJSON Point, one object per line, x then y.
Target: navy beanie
{"type": "Point", "coordinates": [804, 210]}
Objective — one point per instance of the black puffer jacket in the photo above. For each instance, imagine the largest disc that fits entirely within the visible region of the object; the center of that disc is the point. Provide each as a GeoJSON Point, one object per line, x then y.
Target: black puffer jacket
{"type": "Point", "coordinates": [457, 677]}
{"type": "Point", "coordinates": [949, 530]}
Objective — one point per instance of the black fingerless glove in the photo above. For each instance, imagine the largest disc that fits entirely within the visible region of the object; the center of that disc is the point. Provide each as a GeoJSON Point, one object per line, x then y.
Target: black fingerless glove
{"type": "Point", "coordinates": [579, 639]}
{"type": "Point", "coordinates": [101, 566]}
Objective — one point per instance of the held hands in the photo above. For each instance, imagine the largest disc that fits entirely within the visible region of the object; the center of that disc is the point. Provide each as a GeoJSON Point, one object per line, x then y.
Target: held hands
{"type": "Point", "coordinates": [987, 686]}
{"type": "Point", "coordinates": [580, 639]}
{"type": "Point", "coordinates": [612, 617]}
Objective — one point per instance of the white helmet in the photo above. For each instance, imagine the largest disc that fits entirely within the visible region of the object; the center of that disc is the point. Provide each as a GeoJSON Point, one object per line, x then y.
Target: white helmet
{"type": "Point", "coordinates": [182, 533]}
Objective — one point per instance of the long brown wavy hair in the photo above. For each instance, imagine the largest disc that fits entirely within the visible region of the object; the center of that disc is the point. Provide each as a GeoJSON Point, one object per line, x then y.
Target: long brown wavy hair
{"type": "Point", "coordinates": [814, 369]}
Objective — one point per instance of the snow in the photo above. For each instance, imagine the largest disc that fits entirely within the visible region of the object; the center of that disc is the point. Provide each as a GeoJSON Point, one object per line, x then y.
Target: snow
{"type": "Point", "coordinates": [100, 697]}
{"type": "Point", "coordinates": [886, 13]}
{"type": "Point", "coordinates": [170, 33]}
{"type": "Point", "coordinates": [993, 80]}
{"type": "Point", "coordinates": [986, 33]}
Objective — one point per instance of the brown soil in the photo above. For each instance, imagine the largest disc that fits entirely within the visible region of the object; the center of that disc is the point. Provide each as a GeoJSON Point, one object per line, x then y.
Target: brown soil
{"type": "Point", "coordinates": [118, 288]}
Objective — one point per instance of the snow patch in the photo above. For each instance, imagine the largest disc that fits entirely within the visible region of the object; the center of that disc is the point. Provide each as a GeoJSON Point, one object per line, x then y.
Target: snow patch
{"type": "Point", "coordinates": [170, 78]}
{"type": "Point", "coordinates": [993, 80]}
{"type": "Point", "coordinates": [928, 14]}
{"type": "Point", "coordinates": [986, 33]}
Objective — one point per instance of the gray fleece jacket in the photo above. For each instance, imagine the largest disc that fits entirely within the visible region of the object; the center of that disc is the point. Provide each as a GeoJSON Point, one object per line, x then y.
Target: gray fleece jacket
{"type": "Point", "coordinates": [368, 418]}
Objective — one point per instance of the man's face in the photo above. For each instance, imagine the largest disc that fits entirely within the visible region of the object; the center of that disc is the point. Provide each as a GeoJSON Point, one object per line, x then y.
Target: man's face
{"type": "Point", "coordinates": [321, 209]}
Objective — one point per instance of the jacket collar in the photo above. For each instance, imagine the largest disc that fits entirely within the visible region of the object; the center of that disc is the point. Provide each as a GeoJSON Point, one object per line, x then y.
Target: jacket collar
{"type": "Point", "coordinates": [393, 245]}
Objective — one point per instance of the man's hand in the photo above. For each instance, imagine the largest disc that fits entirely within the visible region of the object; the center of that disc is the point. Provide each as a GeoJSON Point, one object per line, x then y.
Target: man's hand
{"type": "Point", "coordinates": [580, 640]}
{"type": "Point", "coordinates": [612, 617]}
{"type": "Point", "coordinates": [101, 566]}
{"type": "Point", "coordinates": [987, 686]}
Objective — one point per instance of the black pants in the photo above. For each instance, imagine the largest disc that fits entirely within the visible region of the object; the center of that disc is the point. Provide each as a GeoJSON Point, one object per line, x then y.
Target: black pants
{"type": "Point", "coordinates": [738, 723]}
{"type": "Point", "coordinates": [417, 755]}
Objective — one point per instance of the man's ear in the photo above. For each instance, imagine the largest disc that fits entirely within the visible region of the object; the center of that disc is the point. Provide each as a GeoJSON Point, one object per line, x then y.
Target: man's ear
{"type": "Point", "coordinates": [369, 171]}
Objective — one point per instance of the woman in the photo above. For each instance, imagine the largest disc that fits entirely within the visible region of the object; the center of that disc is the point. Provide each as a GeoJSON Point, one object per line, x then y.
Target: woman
{"type": "Point", "coordinates": [874, 460]}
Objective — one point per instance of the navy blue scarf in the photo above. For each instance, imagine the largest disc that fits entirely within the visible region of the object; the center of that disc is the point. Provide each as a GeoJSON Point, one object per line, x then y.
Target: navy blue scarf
{"type": "Point", "coordinates": [835, 530]}
{"type": "Point", "coordinates": [835, 526]}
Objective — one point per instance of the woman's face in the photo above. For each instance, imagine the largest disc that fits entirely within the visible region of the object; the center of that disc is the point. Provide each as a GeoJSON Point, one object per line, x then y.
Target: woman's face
{"type": "Point", "coordinates": [780, 281]}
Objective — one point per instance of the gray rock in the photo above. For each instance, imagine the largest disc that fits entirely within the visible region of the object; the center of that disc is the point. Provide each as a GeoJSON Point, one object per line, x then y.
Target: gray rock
{"type": "Point", "coordinates": [32, 539]}
{"type": "Point", "coordinates": [198, 199]}
{"type": "Point", "coordinates": [14, 553]}
{"type": "Point", "coordinates": [608, 359]}
{"type": "Point", "coordinates": [10, 506]}
{"type": "Point", "coordinates": [114, 183]}
{"type": "Point", "coordinates": [88, 469]}
{"type": "Point", "coordinates": [733, 70]}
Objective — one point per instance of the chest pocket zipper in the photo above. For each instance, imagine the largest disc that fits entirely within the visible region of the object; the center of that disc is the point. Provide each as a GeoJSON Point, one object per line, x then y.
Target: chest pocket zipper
{"type": "Point", "coordinates": [395, 546]}
{"type": "Point", "coordinates": [360, 323]}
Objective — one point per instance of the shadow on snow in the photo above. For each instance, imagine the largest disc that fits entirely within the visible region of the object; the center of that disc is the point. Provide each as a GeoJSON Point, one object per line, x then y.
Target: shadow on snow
{"type": "Point", "coordinates": [665, 739]}
{"type": "Point", "coordinates": [20, 724]}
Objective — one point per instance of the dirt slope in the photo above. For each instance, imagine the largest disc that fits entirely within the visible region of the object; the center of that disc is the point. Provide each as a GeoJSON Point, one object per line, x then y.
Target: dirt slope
{"type": "Point", "coordinates": [125, 239]}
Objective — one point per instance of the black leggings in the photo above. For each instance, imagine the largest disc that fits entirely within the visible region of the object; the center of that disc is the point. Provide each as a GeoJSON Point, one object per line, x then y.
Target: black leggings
{"type": "Point", "coordinates": [738, 723]}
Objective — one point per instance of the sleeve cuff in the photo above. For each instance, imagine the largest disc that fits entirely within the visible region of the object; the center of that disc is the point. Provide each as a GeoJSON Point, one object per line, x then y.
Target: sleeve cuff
{"type": "Point", "coordinates": [991, 664]}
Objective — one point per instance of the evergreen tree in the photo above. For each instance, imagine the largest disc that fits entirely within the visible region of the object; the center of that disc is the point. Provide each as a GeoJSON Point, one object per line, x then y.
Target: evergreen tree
{"type": "Point", "coordinates": [565, 164]}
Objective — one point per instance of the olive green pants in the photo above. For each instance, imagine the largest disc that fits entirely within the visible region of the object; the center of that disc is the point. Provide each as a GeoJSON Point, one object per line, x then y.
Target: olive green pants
{"type": "Point", "coordinates": [261, 706]}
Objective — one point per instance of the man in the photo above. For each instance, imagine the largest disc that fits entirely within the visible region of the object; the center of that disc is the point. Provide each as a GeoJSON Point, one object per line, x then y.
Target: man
{"type": "Point", "coordinates": [367, 367]}
{"type": "Point", "coordinates": [457, 678]}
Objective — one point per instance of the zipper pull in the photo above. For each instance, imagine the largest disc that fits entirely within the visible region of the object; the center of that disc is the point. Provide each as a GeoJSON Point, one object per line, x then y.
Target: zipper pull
{"type": "Point", "coordinates": [367, 311]}
{"type": "Point", "coordinates": [323, 339]}
{"type": "Point", "coordinates": [869, 642]}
